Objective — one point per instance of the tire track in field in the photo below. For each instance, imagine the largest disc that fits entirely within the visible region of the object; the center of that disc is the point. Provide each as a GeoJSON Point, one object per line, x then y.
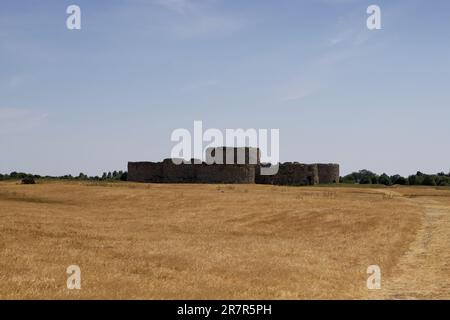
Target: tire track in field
{"type": "Point", "coordinates": [423, 272]}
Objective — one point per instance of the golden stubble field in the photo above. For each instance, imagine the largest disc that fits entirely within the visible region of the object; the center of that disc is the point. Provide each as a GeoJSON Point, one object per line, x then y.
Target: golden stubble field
{"type": "Point", "coordinates": [162, 241]}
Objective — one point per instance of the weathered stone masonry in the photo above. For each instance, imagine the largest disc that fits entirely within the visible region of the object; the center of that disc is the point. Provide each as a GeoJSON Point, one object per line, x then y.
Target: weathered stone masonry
{"type": "Point", "coordinates": [197, 172]}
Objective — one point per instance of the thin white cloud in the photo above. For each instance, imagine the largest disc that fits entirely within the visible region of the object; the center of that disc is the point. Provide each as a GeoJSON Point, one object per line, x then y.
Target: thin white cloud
{"type": "Point", "coordinates": [207, 25]}
{"type": "Point", "coordinates": [342, 37]}
{"type": "Point", "coordinates": [349, 41]}
{"type": "Point", "coordinates": [194, 86]}
{"type": "Point", "coordinates": [199, 18]}
{"type": "Point", "coordinates": [179, 6]}
{"type": "Point", "coordinates": [15, 120]}
{"type": "Point", "coordinates": [352, 37]}
{"type": "Point", "coordinates": [301, 92]}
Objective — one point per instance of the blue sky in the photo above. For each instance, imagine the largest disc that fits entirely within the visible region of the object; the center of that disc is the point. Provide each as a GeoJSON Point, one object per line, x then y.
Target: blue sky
{"type": "Point", "coordinates": [90, 100]}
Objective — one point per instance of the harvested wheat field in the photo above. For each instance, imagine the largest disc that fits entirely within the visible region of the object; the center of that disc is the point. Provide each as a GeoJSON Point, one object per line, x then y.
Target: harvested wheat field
{"type": "Point", "coordinates": [159, 241]}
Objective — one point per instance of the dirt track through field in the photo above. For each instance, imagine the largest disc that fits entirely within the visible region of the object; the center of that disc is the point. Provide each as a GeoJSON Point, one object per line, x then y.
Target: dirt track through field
{"type": "Point", "coordinates": [424, 271]}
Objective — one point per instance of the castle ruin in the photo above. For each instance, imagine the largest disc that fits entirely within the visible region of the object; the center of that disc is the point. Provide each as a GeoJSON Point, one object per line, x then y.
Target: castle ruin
{"type": "Point", "coordinates": [231, 165]}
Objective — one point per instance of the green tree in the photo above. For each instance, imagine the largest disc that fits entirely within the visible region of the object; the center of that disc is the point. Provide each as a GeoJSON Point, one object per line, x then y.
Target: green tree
{"type": "Point", "coordinates": [443, 181]}
{"type": "Point", "coordinates": [385, 179]}
{"type": "Point", "coordinates": [429, 180]}
{"type": "Point", "coordinates": [348, 179]}
{"type": "Point", "coordinates": [124, 176]}
{"type": "Point", "coordinates": [366, 180]}
{"type": "Point", "coordinates": [415, 180]}
{"type": "Point", "coordinates": [365, 177]}
{"type": "Point", "coordinates": [398, 179]}
{"type": "Point", "coordinates": [82, 176]}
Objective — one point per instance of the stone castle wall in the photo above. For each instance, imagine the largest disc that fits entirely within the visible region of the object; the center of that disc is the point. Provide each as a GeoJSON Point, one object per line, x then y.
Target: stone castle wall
{"type": "Point", "coordinates": [168, 172]}
{"type": "Point", "coordinates": [145, 171]}
{"type": "Point", "coordinates": [292, 174]}
{"type": "Point", "coordinates": [222, 172]}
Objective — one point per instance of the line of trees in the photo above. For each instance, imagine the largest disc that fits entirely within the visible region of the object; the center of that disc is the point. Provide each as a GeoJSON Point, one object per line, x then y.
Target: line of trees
{"type": "Point", "coordinates": [107, 176]}
{"type": "Point", "coordinates": [418, 179]}
{"type": "Point", "coordinates": [360, 177]}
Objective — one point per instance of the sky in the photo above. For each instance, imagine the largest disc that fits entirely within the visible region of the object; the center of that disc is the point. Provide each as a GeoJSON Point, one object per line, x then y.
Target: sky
{"type": "Point", "coordinates": [91, 100]}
